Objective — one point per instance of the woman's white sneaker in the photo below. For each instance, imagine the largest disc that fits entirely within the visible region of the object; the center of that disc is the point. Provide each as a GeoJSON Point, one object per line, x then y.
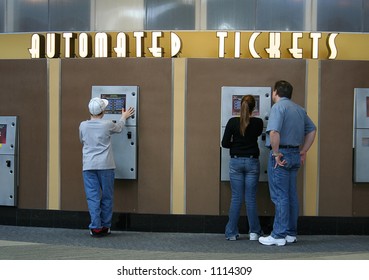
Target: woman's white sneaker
{"type": "Point", "coordinates": [254, 236]}
{"type": "Point", "coordinates": [269, 240]}
{"type": "Point", "coordinates": [291, 239]}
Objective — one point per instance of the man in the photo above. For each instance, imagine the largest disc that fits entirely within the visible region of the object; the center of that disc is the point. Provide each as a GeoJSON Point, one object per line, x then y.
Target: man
{"type": "Point", "coordinates": [290, 134]}
{"type": "Point", "coordinates": [98, 164]}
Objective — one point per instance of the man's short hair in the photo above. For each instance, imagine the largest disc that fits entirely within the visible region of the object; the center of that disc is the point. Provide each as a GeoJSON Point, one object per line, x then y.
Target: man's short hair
{"type": "Point", "coordinates": [283, 88]}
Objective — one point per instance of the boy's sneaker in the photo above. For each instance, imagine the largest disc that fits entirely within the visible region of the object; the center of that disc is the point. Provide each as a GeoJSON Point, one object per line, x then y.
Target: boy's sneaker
{"type": "Point", "coordinates": [269, 240]}
{"type": "Point", "coordinates": [291, 239]}
{"type": "Point", "coordinates": [96, 232]}
{"type": "Point", "coordinates": [254, 236]}
{"type": "Point", "coordinates": [105, 231]}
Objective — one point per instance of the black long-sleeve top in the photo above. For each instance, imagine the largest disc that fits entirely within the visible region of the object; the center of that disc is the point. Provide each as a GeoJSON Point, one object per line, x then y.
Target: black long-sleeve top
{"type": "Point", "coordinates": [239, 145]}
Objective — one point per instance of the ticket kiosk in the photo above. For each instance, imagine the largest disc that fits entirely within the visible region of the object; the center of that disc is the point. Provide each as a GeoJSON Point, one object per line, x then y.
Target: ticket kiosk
{"type": "Point", "coordinates": [8, 160]}
{"type": "Point", "coordinates": [361, 135]}
{"type": "Point", "coordinates": [124, 144]}
{"type": "Point", "coordinates": [230, 107]}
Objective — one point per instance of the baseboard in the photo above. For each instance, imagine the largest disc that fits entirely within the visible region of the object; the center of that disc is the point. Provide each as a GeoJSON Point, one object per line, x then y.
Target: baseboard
{"type": "Point", "coordinates": [177, 223]}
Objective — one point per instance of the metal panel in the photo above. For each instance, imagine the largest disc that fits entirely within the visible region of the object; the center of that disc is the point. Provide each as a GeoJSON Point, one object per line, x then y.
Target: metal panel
{"type": "Point", "coordinates": [124, 144]}
{"type": "Point", "coordinates": [361, 174]}
{"type": "Point", "coordinates": [361, 108]}
{"type": "Point", "coordinates": [230, 96]}
{"type": "Point", "coordinates": [8, 180]}
{"type": "Point", "coordinates": [124, 149]}
{"type": "Point", "coordinates": [361, 134]}
{"type": "Point", "coordinates": [8, 160]}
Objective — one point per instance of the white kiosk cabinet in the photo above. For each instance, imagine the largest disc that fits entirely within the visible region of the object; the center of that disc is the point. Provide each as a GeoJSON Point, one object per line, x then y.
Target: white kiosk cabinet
{"type": "Point", "coordinates": [230, 107]}
{"type": "Point", "coordinates": [124, 144]}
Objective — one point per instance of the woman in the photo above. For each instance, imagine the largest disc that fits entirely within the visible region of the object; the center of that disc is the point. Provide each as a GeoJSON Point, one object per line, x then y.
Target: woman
{"type": "Point", "coordinates": [240, 136]}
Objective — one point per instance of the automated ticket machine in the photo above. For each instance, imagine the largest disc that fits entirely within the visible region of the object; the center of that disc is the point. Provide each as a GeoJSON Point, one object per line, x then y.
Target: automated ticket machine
{"type": "Point", "coordinates": [361, 135]}
{"type": "Point", "coordinates": [230, 107]}
{"type": "Point", "coordinates": [8, 160]}
{"type": "Point", "coordinates": [124, 144]}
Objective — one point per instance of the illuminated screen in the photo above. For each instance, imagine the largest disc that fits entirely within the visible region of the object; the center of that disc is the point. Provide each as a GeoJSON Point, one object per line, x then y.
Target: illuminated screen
{"type": "Point", "coordinates": [236, 105]}
{"type": "Point", "coordinates": [117, 102]}
{"type": "Point", "coordinates": [2, 133]}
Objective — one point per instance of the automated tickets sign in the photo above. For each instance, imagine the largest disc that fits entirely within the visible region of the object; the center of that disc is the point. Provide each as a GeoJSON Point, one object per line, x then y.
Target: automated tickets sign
{"type": "Point", "coordinates": [187, 44]}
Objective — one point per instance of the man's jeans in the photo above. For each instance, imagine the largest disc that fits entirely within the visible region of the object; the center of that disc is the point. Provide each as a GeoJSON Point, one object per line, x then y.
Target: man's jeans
{"type": "Point", "coordinates": [283, 192]}
{"type": "Point", "coordinates": [244, 177]}
{"type": "Point", "coordinates": [99, 188]}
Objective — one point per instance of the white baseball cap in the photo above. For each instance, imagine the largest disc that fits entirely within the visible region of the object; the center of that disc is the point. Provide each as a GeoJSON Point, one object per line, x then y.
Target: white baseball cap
{"type": "Point", "coordinates": [97, 105]}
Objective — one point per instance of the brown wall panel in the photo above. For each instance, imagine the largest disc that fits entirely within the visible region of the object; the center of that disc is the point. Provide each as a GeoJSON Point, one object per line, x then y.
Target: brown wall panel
{"type": "Point", "coordinates": [205, 194]}
{"type": "Point", "coordinates": [338, 196]}
{"type": "Point", "coordinates": [150, 193]}
{"type": "Point", "coordinates": [24, 93]}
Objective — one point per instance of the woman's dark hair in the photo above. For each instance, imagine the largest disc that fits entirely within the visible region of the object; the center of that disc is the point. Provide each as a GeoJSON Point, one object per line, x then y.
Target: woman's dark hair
{"type": "Point", "coordinates": [247, 106]}
{"type": "Point", "coordinates": [284, 89]}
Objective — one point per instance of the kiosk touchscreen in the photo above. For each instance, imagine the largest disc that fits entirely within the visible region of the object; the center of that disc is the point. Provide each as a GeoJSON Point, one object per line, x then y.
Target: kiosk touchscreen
{"type": "Point", "coordinates": [3, 133]}
{"type": "Point", "coordinates": [125, 143]}
{"type": "Point", "coordinates": [117, 102]}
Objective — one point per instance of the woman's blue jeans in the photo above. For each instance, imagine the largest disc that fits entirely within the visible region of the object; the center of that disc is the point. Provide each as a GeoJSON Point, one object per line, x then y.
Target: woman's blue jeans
{"type": "Point", "coordinates": [283, 192]}
{"type": "Point", "coordinates": [244, 176]}
{"type": "Point", "coordinates": [99, 189]}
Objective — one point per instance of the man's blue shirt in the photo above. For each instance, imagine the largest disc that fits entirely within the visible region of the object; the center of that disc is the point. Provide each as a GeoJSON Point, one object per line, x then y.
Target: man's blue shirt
{"type": "Point", "coordinates": [291, 121]}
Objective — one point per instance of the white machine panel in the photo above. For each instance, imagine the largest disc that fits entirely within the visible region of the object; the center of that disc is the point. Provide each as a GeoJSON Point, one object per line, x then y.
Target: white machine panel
{"type": "Point", "coordinates": [230, 107]}
{"type": "Point", "coordinates": [124, 144]}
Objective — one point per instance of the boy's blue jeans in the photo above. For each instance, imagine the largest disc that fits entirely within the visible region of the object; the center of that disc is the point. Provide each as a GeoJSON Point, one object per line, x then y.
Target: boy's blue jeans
{"type": "Point", "coordinates": [99, 189]}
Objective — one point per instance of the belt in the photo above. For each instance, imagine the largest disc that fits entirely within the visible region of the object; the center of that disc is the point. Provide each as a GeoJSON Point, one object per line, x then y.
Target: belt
{"type": "Point", "coordinates": [288, 147]}
{"type": "Point", "coordinates": [249, 156]}
{"type": "Point", "coordinates": [285, 147]}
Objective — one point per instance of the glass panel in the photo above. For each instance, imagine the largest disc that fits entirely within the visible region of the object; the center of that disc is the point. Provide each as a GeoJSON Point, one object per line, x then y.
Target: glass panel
{"type": "Point", "coordinates": [2, 16]}
{"type": "Point", "coordinates": [231, 14]}
{"type": "Point", "coordinates": [366, 15]}
{"type": "Point", "coordinates": [170, 14]}
{"type": "Point", "coordinates": [283, 15]}
{"type": "Point", "coordinates": [30, 15]}
{"type": "Point", "coordinates": [70, 15]}
{"type": "Point", "coordinates": [120, 15]}
{"type": "Point", "coordinates": [339, 15]}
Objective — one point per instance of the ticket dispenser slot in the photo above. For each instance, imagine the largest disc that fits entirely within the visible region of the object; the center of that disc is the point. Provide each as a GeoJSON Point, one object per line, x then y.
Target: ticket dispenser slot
{"type": "Point", "coordinates": [8, 160]}
{"type": "Point", "coordinates": [124, 144]}
{"type": "Point", "coordinates": [230, 107]}
{"type": "Point", "coordinates": [361, 135]}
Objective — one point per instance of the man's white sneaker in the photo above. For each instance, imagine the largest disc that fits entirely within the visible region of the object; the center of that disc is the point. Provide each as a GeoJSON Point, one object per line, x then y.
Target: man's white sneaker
{"type": "Point", "coordinates": [254, 236]}
{"type": "Point", "coordinates": [291, 239]}
{"type": "Point", "coordinates": [269, 240]}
